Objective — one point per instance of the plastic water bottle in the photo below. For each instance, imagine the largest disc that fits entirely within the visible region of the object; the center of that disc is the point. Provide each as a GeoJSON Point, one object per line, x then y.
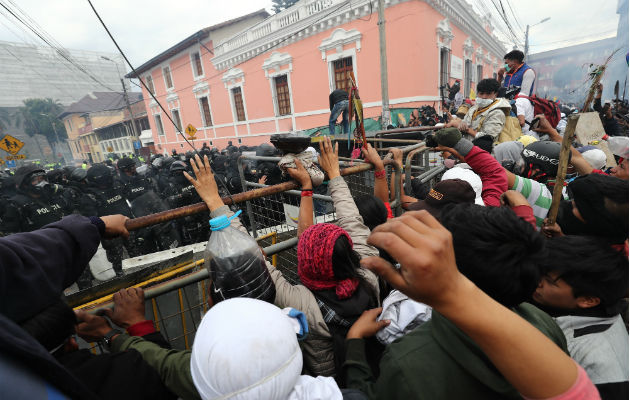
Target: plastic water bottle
{"type": "Point", "coordinates": [236, 264]}
{"type": "Point", "coordinates": [618, 145]}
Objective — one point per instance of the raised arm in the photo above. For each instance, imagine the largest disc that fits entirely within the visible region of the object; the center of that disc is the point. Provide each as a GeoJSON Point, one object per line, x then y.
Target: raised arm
{"type": "Point", "coordinates": [532, 363]}
{"type": "Point", "coordinates": [305, 218]}
{"type": "Point", "coordinates": [348, 216]}
{"type": "Point", "coordinates": [580, 164]}
{"type": "Point", "coordinates": [380, 178]}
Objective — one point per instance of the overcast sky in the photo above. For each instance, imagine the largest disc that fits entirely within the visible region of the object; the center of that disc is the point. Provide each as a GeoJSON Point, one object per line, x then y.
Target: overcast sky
{"type": "Point", "coordinates": [144, 28]}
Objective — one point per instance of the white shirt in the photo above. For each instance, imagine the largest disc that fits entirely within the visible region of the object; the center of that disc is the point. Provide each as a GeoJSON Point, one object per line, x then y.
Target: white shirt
{"type": "Point", "coordinates": [525, 108]}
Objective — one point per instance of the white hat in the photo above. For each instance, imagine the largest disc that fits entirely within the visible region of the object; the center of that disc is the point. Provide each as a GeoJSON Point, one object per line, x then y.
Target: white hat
{"type": "Point", "coordinates": [248, 349]}
{"type": "Point", "coordinates": [469, 176]}
{"type": "Point", "coordinates": [595, 157]}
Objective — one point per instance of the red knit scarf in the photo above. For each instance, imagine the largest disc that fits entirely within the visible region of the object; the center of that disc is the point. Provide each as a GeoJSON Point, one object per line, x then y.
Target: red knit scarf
{"type": "Point", "coordinates": [314, 253]}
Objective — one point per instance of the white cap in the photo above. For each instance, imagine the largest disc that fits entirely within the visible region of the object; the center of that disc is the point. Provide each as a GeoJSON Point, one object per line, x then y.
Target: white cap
{"type": "Point", "coordinates": [596, 158]}
{"type": "Point", "coordinates": [469, 176]}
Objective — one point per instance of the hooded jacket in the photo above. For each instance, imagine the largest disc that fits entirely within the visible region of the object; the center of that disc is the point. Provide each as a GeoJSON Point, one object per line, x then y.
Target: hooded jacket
{"type": "Point", "coordinates": [491, 119]}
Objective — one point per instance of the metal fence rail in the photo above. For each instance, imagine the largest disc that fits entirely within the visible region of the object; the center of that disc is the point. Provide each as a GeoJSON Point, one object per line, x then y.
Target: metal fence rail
{"type": "Point", "coordinates": [177, 300]}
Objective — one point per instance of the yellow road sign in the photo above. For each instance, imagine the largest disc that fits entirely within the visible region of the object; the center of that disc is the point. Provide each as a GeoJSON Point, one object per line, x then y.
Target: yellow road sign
{"type": "Point", "coordinates": [11, 144]}
{"type": "Point", "coordinates": [191, 130]}
{"type": "Point", "coordinates": [16, 157]}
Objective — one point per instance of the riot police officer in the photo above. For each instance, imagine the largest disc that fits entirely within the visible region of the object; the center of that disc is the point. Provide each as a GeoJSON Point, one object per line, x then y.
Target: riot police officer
{"type": "Point", "coordinates": [37, 202]}
{"type": "Point", "coordinates": [104, 196]}
{"type": "Point", "coordinates": [180, 193]}
{"type": "Point", "coordinates": [140, 190]}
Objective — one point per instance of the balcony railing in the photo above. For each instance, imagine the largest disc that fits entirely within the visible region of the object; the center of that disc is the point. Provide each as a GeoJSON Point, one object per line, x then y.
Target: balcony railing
{"type": "Point", "coordinates": [288, 17]}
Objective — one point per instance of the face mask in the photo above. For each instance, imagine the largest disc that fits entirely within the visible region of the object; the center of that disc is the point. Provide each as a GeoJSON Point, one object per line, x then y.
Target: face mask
{"type": "Point", "coordinates": [507, 67]}
{"type": "Point", "coordinates": [483, 103]}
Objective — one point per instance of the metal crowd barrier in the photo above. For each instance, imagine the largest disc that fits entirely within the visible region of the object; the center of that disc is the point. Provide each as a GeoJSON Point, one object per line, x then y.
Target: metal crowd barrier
{"type": "Point", "coordinates": [177, 299]}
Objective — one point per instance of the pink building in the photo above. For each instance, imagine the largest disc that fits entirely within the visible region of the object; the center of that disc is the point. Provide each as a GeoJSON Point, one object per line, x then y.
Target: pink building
{"type": "Point", "coordinates": [245, 79]}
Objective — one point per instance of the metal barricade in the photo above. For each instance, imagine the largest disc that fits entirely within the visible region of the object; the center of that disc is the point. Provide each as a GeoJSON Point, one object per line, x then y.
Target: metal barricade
{"type": "Point", "coordinates": [178, 303]}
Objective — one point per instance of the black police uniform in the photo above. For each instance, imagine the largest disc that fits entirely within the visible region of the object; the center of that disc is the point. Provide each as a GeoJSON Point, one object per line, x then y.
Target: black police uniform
{"type": "Point", "coordinates": [179, 193]}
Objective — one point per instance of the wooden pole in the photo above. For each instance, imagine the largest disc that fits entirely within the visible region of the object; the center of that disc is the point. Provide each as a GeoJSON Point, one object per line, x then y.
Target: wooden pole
{"type": "Point", "coordinates": [565, 152]}
{"type": "Point", "coordinates": [163, 216]}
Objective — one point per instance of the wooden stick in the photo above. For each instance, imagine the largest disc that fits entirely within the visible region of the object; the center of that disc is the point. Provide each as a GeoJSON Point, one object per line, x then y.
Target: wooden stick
{"type": "Point", "coordinates": [168, 215]}
{"type": "Point", "coordinates": [563, 162]}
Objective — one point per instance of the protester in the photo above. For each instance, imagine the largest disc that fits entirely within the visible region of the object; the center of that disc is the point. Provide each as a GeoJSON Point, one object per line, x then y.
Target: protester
{"type": "Point", "coordinates": [487, 117]}
{"type": "Point", "coordinates": [338, 101]}
{"type": "Point", "coordinates": [109, 375]}
{"type": "Point", "coordinates": [473, 347]}
{"type": "Point", "coordinates": [335, 289]}
{"type": "Point", "coordinates": [38, 265]}
{"type": "Point", "coordinates": [584, 288]}
{"type": "Point", "coordinates": [517, 73]}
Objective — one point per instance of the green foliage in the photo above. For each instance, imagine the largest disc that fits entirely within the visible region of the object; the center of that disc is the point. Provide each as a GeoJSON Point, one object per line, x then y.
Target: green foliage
{"type": "Point", "coordinates": [39, 115]}
{"type": "Point", "coordinates": [279, 5]}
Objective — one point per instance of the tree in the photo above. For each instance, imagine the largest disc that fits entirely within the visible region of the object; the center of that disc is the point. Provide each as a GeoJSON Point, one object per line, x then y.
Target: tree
{"type": "Point", "coordinates": [279, 5]}
{"type": "Point", "coordinates": [39, 115]}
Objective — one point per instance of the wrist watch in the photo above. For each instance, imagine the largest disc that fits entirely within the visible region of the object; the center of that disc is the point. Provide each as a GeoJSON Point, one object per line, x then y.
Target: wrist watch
{"type": "Point", "coordinates": [107, 338]}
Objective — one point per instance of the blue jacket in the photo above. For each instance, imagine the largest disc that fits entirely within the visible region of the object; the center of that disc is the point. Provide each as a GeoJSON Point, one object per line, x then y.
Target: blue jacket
{"type": "Point", "coordinates": [516, 78]}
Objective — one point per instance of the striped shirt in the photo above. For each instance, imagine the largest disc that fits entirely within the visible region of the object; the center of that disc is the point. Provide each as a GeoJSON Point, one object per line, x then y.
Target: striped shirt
{"type": "Point", "coordinates": [538, 196]}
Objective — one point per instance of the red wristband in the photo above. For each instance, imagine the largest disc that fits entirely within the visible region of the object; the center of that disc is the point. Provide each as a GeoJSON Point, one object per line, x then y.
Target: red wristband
{"type": "Point", "coordinates": [307, 193]}
{"type": "Point", "coordinates": [380, 174]}
{"type": "Point", "coordinates": [141, 328]}
{"type": "Point", "coordinates": [605, 137]}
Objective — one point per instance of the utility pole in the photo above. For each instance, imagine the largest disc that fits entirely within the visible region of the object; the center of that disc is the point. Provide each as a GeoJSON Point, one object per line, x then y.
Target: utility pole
{"type": "Point", "coordinates": [527, 35]}
{"type": "Point", "coordinates": [385, 118]}
{"type": "Point", "coordinates": [526, 42]}
{"type": "Point", "coordinates": [133, 120]}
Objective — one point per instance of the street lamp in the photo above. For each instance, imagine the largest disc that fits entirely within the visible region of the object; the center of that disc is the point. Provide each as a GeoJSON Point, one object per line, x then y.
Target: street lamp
{"type": "Point", "coordinates": [527, 34]}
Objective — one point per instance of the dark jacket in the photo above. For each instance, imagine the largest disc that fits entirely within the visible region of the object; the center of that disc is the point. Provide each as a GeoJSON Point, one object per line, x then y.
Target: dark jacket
{"type": "Point", "coordinates": [439, 361]}
{"type": "Point", "coordinates": [119, 375]}
{"type": "Point", "coordinates": [337, 96]}
{"type": "Point", "coordinates": [35, 267]}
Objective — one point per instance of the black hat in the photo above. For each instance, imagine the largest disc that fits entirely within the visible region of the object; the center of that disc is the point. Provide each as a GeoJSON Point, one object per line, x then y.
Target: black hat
{"type": "Point", "coordinates": [450, 191]}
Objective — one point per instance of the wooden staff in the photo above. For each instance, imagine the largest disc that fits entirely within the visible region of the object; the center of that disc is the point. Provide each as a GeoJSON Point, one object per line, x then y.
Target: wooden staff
{"type": "Point", "coordinates": [355, 100]}
{"type": "Point", "coordinates": [563, 162]}
{"type": "Point", "coordinates": [168, 215]}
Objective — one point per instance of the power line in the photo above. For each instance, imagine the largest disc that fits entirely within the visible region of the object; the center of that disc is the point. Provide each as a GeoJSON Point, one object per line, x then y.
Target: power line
{"type": "Point", "coordinates": [134, 71]}
{"type": "Point", "coordinates": [64, 53]}
{"type": "Point", "coordinates": [574, 38]}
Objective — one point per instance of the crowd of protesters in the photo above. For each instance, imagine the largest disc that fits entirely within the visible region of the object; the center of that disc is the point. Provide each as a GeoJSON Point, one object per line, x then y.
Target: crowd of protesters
{"type": "Point", "coordinates": [471, 293]}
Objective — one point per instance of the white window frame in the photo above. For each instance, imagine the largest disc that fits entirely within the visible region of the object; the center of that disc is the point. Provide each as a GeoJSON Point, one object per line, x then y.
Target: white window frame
{"type": "Point", "coordinates": [146, 80]}
{"type": "Point", "coordinates": [274, 94]}
{"type": "Point", "coordinates": [179, 117]}
{"type": "Point", "coordinates": [170, 73]}
{"type": "Point", "coordinates": [201, 113]}
{"type": "Point", "coordinates": [159, 127]}
{"type": "Point", "coordinates": [193, 67]}
{"type": "Point", "coordinates": [331, 66]}
{"type": "Point", "coordinates": [233, 104]}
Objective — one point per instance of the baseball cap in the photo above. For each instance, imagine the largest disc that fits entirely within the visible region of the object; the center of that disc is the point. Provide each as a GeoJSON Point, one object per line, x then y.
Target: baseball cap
{"type": "Point", "coordinates": [450, 191]}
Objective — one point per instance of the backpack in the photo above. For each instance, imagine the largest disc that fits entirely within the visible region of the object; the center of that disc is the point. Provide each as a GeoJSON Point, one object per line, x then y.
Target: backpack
{"type": "Point", "coordinates": [547, 107]}
{"type": "Point", "coordinates": [511, 129]}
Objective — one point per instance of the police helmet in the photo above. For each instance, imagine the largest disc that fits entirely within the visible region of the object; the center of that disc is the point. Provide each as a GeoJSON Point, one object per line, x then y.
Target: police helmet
{"type": "Point", "coordinates": [125, 163]}
{"type": "Point", "coordinates": [178, 166]}
{"type": "Point", "coordinates": [25, 173]}
{"type": "Point", "coordinates": [99, 175]}
{"type": "Point", "coordinates": [78, 175]}
{"type": "Point", "coordinates": [541, 160]}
